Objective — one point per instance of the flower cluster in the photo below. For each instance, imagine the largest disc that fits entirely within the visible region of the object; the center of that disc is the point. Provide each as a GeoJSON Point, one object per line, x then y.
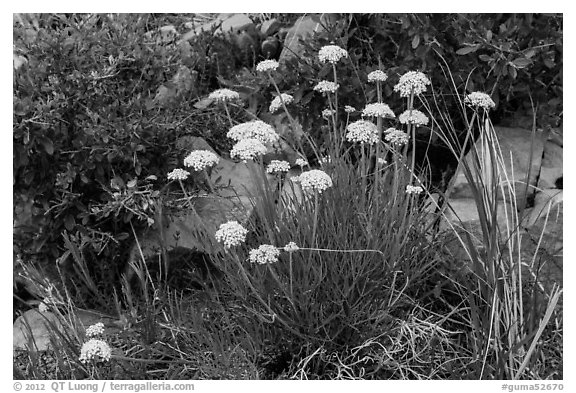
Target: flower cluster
{"type": "Point", "coordinates": [315, 180]}
{"type": "Point", "coordinates": [377, 109]}
{"type": "Point", "coordinates": [248, 149]}
{"type": "Point", "coordinates": [412, 82]}
{"type": "Point", "coordinates": [222, 95]}
{"type": "Point", "coordinates": [267, 65]}
{"type": "Point", "coordinates": [396, 137]}
{"type": "Point", "coordinates": [362, 131]}
{"type": "Point", "coordinates": [349, 109]}
{"type": "Point", "coordinates": [291, 247]}
{"type": "Point", "coordinates": [43, 307]}
{"type": "Point", "coordinates": [301, 162]}
{"type": "Point", "coordinates": [326, 87]}
{"type": "Point", "coordinates": [95, 349]}
{"type": "Point", "coordinates": [377, 76]}
{"type": "Point", "coordinates": [277, 101]}
{"type": "Point", "coordinates": [201, 159]}
{"type": "Point", "coordinates": [479, 100]}
{"type": "Point", "coordinates": [328, 113]}
{"type": "Point", "coordinates": [266, 253]}
{"type": "Point", "coordinates": [178, 174]}
{"type": "Point", "coordinates": [255, 129]}
{"type": "Point", "coordinates": [278, 166]}
{"type": "Point", "coordinates": [382, 161]}
{"type": "Point", "coordinates": [95, 330]}
{"type": "Point", "coordinates": [231, 234]}
{"type": "Point", "coordinates": [331, 54]}
{"type": "Point", "coordinates": [413, 116]}
{"type": "Point", "coordinates": [413, 189]}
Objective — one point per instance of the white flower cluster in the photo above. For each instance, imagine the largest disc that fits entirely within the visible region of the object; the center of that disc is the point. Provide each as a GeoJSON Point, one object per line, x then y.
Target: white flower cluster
{"type": "Point", "coordinates": [178, 174]}
{"type": "Point", "coordinates": [349, 109]}
{"type": "Point", "coordinates": [95, 330]}
{"type": "Point", "coordinates": [327, 113]}
{"type": "Point", "coordinates": [314, 180]}
{"type": "Point", "coordinates": [413, 189]}
{"type": "Point", "coordinates": [413, 116]}
{"type": "Point", "coordinates": [266, 253]}
{"type": "Point", "coordinates": [377, 76]}
{"type": "Point", "coordinates": [231, 234]}
{"type": "Point", "coordinates": [95, 349]}
{"type": "Point", "coordinates": [331, 54]}
{"type": "Point", "coordinates": [362, 131]}
{"type": "Point", "coordinates": [277, 101]}
{"type": "Point", "coordinates": [326, 87]}
{"type": "Point", "coordinates": [255, 129]}
{"type": "Point", "coordinates": [382, 161]}
{"type": "Point", "coordinates": [412, 81]}
{"type": "Point", "coordinates": [43, 307]}
{"type": "Point", "coordinates": [479, 100]}
{"type": "Point", "coordinates": [201, 159]}
{"type": "Point", "coordinates": [278, 166]}
{"type": "Point", "coordinates": [267, 65]}
{"type": "Point", "coordinates": [301, 162]}
{"type": "Point", "coordinates": [222, 95]}
{"type": "Point", "coordinates": [291, 247]}
{"type": "Point", "coordinates": [248, 149]}
{"type": "Point", "coordinates": [396, 137]}
{"type": "Point", "coordinates": [378, 109]}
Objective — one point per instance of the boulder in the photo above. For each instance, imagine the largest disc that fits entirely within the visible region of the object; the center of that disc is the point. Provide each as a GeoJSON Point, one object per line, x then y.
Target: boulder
{"type": "Point", "coordinates": [269, 27]}
{"type": "Point", "coordinates": [515, 145]}
{"type": "Point", "coordinates": [304, 28]}
{"type": "Point", "coordinates": [291, 194]}
{"type": "Point", "coordinates": [223, 24]}
{"type": "Point", "coordinates": [34, 330]}
{"type": "Point", "coordinates": [551, 169]}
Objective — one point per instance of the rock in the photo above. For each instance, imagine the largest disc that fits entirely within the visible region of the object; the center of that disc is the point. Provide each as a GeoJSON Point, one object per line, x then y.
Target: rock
{"type": "Point", "coordinates": [552, 168]}
{"type": "Point", "coordinates": [269, 27]}
{"type": "Point", "coordinates": [304, 28]}
{"type": "Point", "coordinates": [463, 213]}
{"type": "Point", "coordinates": [515, 144]}
{"type": "Point", "coordinates": [291, 195]}
{"type": "Point", "coordinates": [33, 330]}
{"type": "Point", "coordinates": [227, 23]}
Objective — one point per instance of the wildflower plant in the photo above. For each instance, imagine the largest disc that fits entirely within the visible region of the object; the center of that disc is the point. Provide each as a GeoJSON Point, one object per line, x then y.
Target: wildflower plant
{"type": "Point", "coordinates": [248, 149]}
{"type": "Point", "coordinates": [255, 129]}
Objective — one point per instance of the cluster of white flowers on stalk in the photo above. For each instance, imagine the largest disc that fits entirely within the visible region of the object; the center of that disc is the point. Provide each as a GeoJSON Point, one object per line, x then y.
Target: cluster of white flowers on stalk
{"type": "Point", "coordinates": [291, 247]}
{"type": "Point", "coordinates": [326, 87]}
{"type": "Point", "coordinates": [266, 253]}
{"type": "Point", "coordinates": [277, 102]}
{"type": "Point", "coordinates": [231, 234]}
{"type": "Point", "coordinates": [222, 95]}
{"type": "Point", "coordinates": [377, 109]}
{"type": "Point", "coordinates": [413, 116]}
{"type": "Point", "coordinates": [201, 159]}
{"type": "Point", "coordinates": [331, 54]}
{"type": "Point", "coordinates": [255, 129]}
{"type": "Point", "coordinates": [301, 162]}
{"type": "Point", "coordinates": [479, 100]}
{"type": "Point", "coordinates": [95, 349]}
{"type": "Point", "coordinates": [412, 81]}
{"type": "Point", "coordinates": [95, 330]}
{"type": "Point", "coordinates": [327, 113]}
{"type": "Point", "coordinates": [248, 149]}
{"type": "Point", "coordinates": [43, 307]}
{"type": "Point", "coordinates": [377, 76]}
{"type": "Point", "coordinates": [349, 109]}
{"type": "Point", "coordinates": [362, 131]}
{"type": "Point", "coordinates": [396, 137]}
{"type": "Point", "coordinates": [382, 161]}
{"type": "Point", "coordinates": [278, 166]}
{"type": "Point", "coordinates": [267, 65]}
{"type": "Point", "coordinates": [314, 180]}
{"type": "Point", "coordinates": [178, 174]}
{"type": "Point", "coordinates": [413, 189]}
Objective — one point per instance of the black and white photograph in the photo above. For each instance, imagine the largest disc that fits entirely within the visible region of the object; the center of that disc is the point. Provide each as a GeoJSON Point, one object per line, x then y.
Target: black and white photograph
{"type": "Point", "coordinates": [287, 196]}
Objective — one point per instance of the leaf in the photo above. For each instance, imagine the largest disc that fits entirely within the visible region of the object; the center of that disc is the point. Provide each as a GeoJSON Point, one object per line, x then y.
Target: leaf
{"type": "Point", "coordinates": [489, 35]}
{"type": "Point", "coordinates": [415, 41]}
{"type": "Point", "coordinates": [69, 222]}
{"type": "Point", "coordinates": [521, 62]}
{"type": "Point", "coordinates": [47, 145]}
{"type": "Point", "coordinates": [132, 183]}
{"type": "Point", "coordinates": [484, 57]}
{"type": "Point", "coordinates": [467, 49]}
